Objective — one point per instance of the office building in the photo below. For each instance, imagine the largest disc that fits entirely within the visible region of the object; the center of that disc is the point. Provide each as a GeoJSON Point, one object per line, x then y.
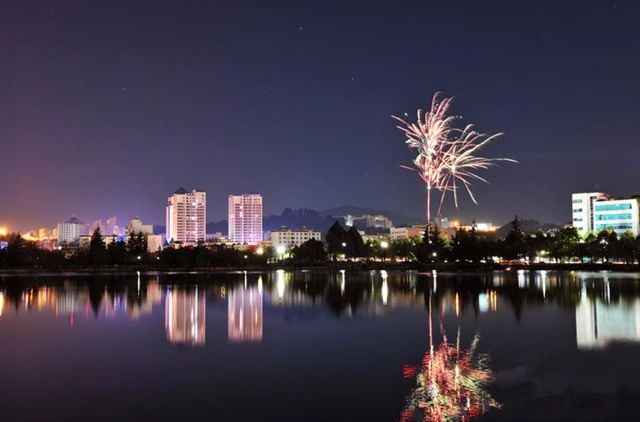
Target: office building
{"type": "Point", "coordinates": [186, 216]}
{"type": "Point", "coordinates": [582, 210]}
{"type": "Point", "coordinates": [594, 212]}
{"type": "Point", "coordinates": [290, 238]}
{"type": "Point", "coordinates": [245, 218]}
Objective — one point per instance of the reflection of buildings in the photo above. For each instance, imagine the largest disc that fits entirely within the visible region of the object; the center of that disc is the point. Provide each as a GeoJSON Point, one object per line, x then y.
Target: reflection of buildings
{"type": "Point", "coordinates": [185, 316]}
{"type": "Point", "coordinates": [245, 314]}
{"type": "Point", "coordinates": [598, 323]}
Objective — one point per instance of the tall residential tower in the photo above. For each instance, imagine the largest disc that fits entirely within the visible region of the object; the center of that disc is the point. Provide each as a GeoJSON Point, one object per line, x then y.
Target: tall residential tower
{"type": "Point", "coordinates": [245, 218]}
{"type": "Point", "coordinates": [187, 216]}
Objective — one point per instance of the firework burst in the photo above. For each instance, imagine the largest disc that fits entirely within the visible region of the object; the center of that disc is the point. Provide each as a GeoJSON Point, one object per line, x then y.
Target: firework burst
{"type": "Point", "coordinates": [446, 159]}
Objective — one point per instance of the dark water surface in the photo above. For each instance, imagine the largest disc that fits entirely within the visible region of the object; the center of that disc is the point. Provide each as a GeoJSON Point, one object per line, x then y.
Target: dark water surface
{"type": "Point", "coordinates": [324, 346]}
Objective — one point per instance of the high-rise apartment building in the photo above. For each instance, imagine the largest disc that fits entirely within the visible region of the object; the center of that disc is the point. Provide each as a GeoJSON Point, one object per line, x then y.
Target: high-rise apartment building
{"type": "Point", "coordinates": [245, 218]}
{"type": "Point", "coordinates": [186, 216]}
{"type": "Point", "coordinates": [70, 231]}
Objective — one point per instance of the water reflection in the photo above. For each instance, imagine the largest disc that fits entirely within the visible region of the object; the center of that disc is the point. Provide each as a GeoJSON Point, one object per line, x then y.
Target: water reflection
{"type": "Point", "coordinates": [598, 323]}
{"type": "Point", "coordinates": [606, 305]}
{"type": "Point", "coordinates": [539, 327]}
{"type": "Point", "coordinates": [185, 316]}
{"type": "Point", "coordinates": [244, 315]}
{"type": "Point", "coordinates": [451, 383]}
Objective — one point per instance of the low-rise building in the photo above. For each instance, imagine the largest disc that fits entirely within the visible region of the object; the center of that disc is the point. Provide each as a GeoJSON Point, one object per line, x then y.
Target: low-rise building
{"type": "Point", "coordinates": [85, 240]}
{"type": "Point", "coordinates": [135, 226]}
{"type": "Point", "coordinates": [368, 221]}
{"type": "Point", "coordinates": [401, 233]}
{"type": "Point", "coordinates": [290, 238]}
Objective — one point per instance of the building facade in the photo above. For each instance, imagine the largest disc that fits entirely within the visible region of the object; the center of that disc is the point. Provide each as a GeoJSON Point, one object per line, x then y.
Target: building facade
{"type": "Point", "coordinates": [290, 238]}
{"type": "Point", "coordinates": [401, 233]}
{"type": "Point", "coordinates": [582, 209]}
{"type": "Point", "coordinates": [70, 231]}
{"type": "Point", "coordinates": [135, 226]}
{"type": "Point", "coordinates": [596, 211]}
{"type": "Point", "coordinates": [619, 215]}
{"type": "Point", "coordinates": [368, 221]}
{"type": "Point", "coordinates": [245, 218]}
{"type": "Point", "coordinates": [186, 216]}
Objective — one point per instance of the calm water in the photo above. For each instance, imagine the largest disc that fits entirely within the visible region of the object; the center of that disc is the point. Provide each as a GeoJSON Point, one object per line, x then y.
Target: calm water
{"type": "Point", "coordinates": [320, 346]}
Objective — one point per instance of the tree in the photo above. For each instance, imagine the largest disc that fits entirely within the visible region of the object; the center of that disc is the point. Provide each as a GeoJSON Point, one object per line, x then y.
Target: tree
{"type": "Point", "coordinates": [97, 250]}
{"type": "Point", "coordinates": [433, 247]}
{"type": "Point", "coordinates": [310, 252]}
{"type": "Point", "coordinates": [355, 244]}
{"type": "Point", "coordinates": [564, 244]}
{"type": "Point", "coordinates": [117, 252]}
{"type": "Point", "coordinates": [606, 244]}
{"type": "Point", "coordinates": [137, 244]}
{"type": "Point", "coordinates": [514, 242]}
{"type": "Point", "coordinates": [336, 240]}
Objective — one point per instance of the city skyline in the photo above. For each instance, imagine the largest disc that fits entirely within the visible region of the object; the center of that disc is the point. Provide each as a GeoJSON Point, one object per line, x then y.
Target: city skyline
{"type": "Point", "coordinates": [105, 119]}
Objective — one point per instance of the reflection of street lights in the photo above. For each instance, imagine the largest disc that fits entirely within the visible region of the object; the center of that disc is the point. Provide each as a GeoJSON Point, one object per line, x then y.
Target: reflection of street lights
{"type": "Point", "coordinates": [385, 287]}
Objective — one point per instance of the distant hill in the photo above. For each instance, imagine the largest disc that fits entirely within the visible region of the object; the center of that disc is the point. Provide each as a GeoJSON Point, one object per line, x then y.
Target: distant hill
{"type": "Point", "coordinates": [397, 218]}
{"type": "Point", "coordinates": [318, 220]}
{"type": "Point", "coordinates": [527, 226]}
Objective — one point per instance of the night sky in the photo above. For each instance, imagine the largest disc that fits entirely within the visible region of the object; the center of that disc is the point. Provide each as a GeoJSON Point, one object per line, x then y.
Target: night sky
{"type": "Point", "coordinates": [107, 107]}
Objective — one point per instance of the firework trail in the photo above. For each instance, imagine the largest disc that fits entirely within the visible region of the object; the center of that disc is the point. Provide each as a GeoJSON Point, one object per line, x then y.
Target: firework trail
{"type": "Point", "coordinates": [446, 159]}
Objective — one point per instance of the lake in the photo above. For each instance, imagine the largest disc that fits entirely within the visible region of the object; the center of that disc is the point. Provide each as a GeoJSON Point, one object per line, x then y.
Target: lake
{"type": "Point", "coordinates": [320, 346]}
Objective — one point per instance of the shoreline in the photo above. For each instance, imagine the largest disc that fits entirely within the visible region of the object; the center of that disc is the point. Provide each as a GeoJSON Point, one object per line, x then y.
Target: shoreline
{"type": "Point", "coordinates": [376, 266]}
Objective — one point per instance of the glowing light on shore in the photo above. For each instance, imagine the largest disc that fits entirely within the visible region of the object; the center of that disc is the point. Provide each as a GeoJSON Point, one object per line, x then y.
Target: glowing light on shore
{"type": "Point", "coordinates": [446, 158]}
{"type": "Point", "coordinates": [4, 231]}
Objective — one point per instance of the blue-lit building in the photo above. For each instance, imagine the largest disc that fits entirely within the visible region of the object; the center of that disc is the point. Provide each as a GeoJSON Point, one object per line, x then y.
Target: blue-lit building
{"type": "Point", "coordinates": [594, 212]}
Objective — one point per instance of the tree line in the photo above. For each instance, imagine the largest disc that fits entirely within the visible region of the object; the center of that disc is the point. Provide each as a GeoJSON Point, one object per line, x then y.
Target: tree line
{"type": "Point", "coordinates": [464, 246]}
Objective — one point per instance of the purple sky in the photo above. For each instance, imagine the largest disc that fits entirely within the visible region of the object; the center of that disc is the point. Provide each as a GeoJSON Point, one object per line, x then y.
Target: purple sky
{"type": "Point", "coordinates": [107, 107]}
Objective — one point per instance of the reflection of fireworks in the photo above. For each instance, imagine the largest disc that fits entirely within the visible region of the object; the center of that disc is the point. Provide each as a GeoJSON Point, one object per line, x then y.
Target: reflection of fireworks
{"type": "Point", "coordinates": [450, 383]}
{"type": "Point", "coordinates": [445, 160]}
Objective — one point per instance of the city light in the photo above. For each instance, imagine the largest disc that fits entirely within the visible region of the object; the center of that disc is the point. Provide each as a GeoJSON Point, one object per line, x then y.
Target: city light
{"type": "Point", "coordinates": [280, 250]}
{"type": "Point", "coordinates": [4, 231]}
{"type": "Point", "coordinates": [384, 244]}
{"type": "Point", "coordinates": [260, 251]}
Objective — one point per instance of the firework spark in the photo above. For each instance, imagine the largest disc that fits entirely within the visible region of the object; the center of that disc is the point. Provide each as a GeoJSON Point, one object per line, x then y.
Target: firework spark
{"type": "Point", "coordinates": [446, 158]}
